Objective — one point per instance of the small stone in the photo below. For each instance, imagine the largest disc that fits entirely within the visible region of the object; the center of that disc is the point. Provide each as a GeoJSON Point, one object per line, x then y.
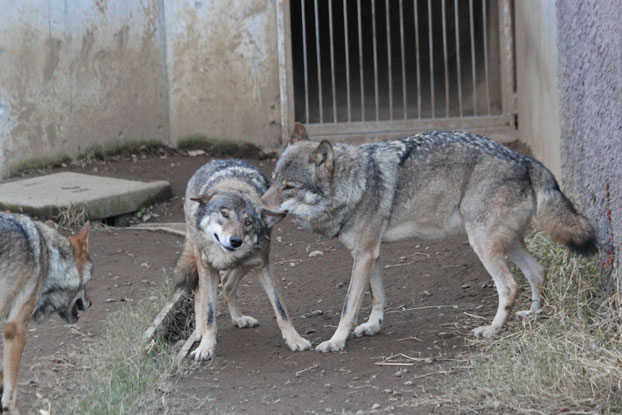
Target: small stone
{"type": "Point", "coordinates": [375, 406]}
{"type": "Point", "coordinates": [310, 331]}
{"type": "Point", "coordinates": [396, 393]}
{"type": "Point", "coordinates": [292, 264]}
{"type": "Point", "coordinates": [315, 253]}
{"type": "Point", "coordinates": [388, 391]}
{"type": "Point", "coordinates": [465, 286]}
{"type": "Point", "coordinates": [426, 293]}
{"type": "Point", "coordinates": [408, 383]}
{"type": "Point", "coordinates": [195, 153]}
{"type": "Point", "coordinates": [328, 410]}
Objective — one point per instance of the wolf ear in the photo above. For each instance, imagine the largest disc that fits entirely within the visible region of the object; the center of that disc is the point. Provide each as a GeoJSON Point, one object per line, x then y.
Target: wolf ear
{"type": "Point", "coordinates": [322, 157]}
{"type": "Point", "coordinates": [299, 133]}
{"type": "Point", "coordinates": [271, 217]}
{"type": "Point", "coordinates": [203, 199]}
{"type": "Point", "coordinates": [80, 242]}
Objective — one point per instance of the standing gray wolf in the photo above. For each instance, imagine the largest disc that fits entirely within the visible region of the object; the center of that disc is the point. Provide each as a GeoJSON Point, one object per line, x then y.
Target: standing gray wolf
{"type": "Point", "coordinates": [433, 184]}
{"type": "Point", "coordinates": [228, 234]}
{"type": "Point", "coordinates": [41, 272]}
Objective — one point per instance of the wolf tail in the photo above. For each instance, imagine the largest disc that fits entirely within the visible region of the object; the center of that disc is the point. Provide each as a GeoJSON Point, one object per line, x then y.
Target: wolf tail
{"type": "Point", "coordinates": [186, 272]}
{"type": "Point", "coordinates": [557, 215]}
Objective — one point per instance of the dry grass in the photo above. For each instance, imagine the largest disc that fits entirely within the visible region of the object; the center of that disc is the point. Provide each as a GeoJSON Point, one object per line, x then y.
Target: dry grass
{"type": "Point", "coordinates": [124, 377]}
{"type": "Point", "coordinates": [72, 217]}
{"type": "Point", "coordinates": [568, 359]}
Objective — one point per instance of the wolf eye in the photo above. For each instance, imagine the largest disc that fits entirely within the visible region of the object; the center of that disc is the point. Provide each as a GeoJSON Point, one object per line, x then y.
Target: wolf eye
{"type": "Point", "coordinates": [224, 214]}
{"type": "Point", "coordinates": [248, 222]}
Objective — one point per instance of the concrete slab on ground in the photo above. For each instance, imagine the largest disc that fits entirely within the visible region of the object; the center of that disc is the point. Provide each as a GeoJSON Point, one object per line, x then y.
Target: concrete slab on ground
{"type": "Point", "coordinates": [100, 197]}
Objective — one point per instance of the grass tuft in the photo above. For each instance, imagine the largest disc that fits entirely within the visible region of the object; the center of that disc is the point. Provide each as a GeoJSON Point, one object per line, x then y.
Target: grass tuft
{"type": "Point", "coordinates": [102, 152]}
{"type": "Point", "coordinates": [566, 360]}
{"type": "Point", "coordinates": [220, 147]}
{"type": "Point", "coordinates": [124, 377]}
{"type": "Point", "coordinates": [40, 164]}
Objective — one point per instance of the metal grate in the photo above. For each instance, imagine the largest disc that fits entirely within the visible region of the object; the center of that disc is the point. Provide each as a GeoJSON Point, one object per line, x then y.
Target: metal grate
{"type": "Point", "coordinates": [383, 65]}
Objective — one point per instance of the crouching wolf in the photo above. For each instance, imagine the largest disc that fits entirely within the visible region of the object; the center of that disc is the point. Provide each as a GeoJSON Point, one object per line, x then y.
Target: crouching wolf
{"type": "Point", "coordinates": [228, 235]}
{"type": "Point", "coordinates": [41, 272]}
{"type": "Point", "coordinates": [433, 184]}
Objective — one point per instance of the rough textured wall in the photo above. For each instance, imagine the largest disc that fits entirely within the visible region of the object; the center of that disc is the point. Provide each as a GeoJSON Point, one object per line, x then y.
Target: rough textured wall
{"type": "Point", "coordinates": [590, 63]}
{"type": "Point", "coordinates": [74, 74]}
{"type": "Point", "coordinates": [537, 80]}
{"type": "Point", "coordinates": [223, 70]}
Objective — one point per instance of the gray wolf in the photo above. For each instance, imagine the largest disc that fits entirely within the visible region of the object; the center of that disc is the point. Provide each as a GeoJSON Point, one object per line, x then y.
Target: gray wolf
{"type": "Point", "coordinates": [41, 272]}
{"type": "Point", "coordinates": [228, 235]}
{"type": "Point", "coordinates": [431, 185]}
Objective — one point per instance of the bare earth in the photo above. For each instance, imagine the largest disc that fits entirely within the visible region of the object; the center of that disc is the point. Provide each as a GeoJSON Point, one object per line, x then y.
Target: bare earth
{"type": "Point", "coordinates": [437, 292]}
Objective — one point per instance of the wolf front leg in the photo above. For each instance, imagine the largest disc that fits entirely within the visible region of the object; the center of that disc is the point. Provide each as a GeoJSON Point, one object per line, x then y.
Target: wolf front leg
{"type": "Point", "coordinates": [364, 263]}
{"type": "Point", "coordinates": [205, 312]}
{"type": "Point", "coordinates": [376, 287]}
{"type": "Point", "coordinates": [14, 341]}
{"type": "Point", "coordinates": [293, 340]}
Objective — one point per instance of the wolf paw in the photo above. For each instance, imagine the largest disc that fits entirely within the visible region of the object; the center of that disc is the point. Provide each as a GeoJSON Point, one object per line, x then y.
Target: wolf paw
{"type": "Point", "coordinates": [485, 331]}
{"type": "Point", "coordinates": [367, 329]}
{"type": "Point", "coordinates": [198, 354]}
{"type": "Point", "coordinates": [298, 343]}
{"type": "Point", "coordinates": [245, 322]}
{"type": "Point", "coordinates": [330, 346]}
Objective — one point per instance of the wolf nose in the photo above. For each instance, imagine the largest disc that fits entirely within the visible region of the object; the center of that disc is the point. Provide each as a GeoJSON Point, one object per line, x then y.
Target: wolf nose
{"type": "Point", "coordinates": [235, 241]}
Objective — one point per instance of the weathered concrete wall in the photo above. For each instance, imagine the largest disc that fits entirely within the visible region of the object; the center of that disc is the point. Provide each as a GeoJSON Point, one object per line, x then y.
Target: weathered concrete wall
{"type": "Point", "coordinates": [537, 80]}
{"type": "Point", "coordinates": [590, 65]}
{"type": "Point", "coordinates": [74, 74]}
{"type": "Point", "coordinates": [223, 70]}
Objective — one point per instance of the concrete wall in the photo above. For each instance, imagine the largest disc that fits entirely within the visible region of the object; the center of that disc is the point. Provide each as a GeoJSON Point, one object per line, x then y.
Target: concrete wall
{"type": "Point", "coordinates": [223, 70]}
{"type": "Point", "coordinates": [537, 80]}
{"type": "Point", "coordinates": [590, 80]}
{"type": "Point", "coordinates": [74, 74]}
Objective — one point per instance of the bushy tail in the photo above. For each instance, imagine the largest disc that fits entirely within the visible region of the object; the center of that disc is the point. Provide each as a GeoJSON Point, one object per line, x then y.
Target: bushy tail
{"type": "Point", "coordinates": [186, 272]}
{"type": "Point", "coordinates": [557, 215]}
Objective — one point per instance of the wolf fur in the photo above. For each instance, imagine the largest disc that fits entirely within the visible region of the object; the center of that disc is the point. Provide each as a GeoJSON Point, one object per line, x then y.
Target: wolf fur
{"type": "Point", "coordinates": [41, 272]}
{"type": "Point", "coordinates": [228, 235]}
{"type": "Point", "coordinates": [430, 185]}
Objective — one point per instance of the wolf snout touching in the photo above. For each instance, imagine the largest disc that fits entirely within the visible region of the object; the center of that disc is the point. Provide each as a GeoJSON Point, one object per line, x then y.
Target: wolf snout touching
{"type": "Point", "coordinates": [388, 191]}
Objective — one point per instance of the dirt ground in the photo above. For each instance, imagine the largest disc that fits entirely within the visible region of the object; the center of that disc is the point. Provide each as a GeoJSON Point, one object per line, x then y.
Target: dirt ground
{"type": "Point", "coordinates": [436, 292]}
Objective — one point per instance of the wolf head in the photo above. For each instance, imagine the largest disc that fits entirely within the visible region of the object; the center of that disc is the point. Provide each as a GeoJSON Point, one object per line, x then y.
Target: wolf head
{"type": "Point", "coordinates": [69, 269]}
{"type": "Point", "coordinates": [233, 221]}
{"type": "Point", "coordinates": [303, 177]}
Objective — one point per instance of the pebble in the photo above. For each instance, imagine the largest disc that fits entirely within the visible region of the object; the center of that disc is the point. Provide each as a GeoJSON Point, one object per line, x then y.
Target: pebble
{"type": "Point", "coordinates": [408, 383]}
{"type": "Point", "coordinates": [464, 286]}
{"type": "Point", "coordinates": [315, 253]}
{"type": "Point", "coordinates": [328, 410]}
{"type": "Point", "coordinates": [375, 406]}
{"type": "Point", "coordinates": [388, 391]}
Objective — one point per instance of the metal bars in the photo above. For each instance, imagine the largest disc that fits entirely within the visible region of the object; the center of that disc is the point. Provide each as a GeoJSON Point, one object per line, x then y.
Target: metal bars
{"type": "Point", "coordinates": [424, 60]}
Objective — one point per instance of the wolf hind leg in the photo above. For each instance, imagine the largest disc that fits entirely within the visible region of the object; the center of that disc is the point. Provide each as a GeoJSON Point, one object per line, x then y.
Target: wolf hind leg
{"type": "Point", "coordinates": [491, 250]}
{"type": "Point", "coordinates": [533, 271]}
{"type": "Point", "coordinates": [376, 286]}
{"type": "Point", "coordinates": [230, 283]}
